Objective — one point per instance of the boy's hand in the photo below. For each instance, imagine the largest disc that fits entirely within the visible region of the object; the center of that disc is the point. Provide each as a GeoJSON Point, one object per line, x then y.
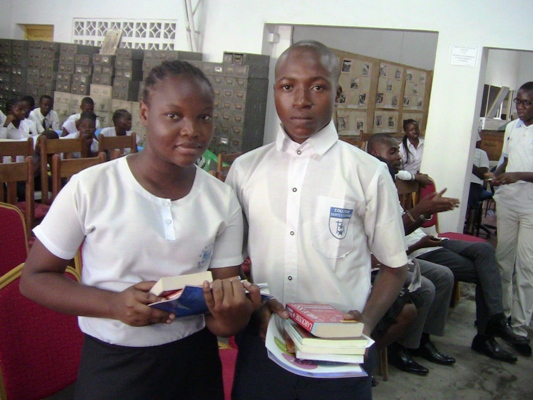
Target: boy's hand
{"type": "Point", "coordinates": [230, 306]}
{"type": "Point", "coordinates": [132, 308]}
{"type": "Point", "coordinates": [272, 306]}
{"type": "Point", "coordinates": [435, 203]}
{"type": "Point", "coordinates": [429, 241]}
{"type": "Point", "coordinates": [506, 178]}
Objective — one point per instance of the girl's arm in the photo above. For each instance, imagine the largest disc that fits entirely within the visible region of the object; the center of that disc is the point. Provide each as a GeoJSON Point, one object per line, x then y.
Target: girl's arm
{"type": "Point", "coordinates": [44, 282]}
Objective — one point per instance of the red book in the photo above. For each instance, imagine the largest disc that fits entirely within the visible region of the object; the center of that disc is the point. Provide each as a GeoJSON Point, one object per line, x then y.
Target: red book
{"type": "Point", "coordinates": [323, 320]}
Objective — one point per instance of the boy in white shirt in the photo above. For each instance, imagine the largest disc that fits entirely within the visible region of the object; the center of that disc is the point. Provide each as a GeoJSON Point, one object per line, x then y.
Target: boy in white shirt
{"type": "Point", "coordinates": [69, 126]}
{"type": "Point", "coordinates": [44, 115]}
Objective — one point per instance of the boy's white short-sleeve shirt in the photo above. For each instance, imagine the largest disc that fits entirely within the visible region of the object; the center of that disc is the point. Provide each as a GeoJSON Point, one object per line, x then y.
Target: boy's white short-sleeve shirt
{"type": "Point", "coordinates": [52, 119]}
{"type": "Point", "coordinates": [70, 123]}
{"type": "Point", "coordinates": [518, 148]}
{"type": "Point", "coordinates": [130, 235]}
{"type": "Point", "coordinates": [315, 213]}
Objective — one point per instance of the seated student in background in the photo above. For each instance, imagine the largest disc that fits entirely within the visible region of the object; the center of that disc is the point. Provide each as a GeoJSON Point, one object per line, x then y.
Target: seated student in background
{"type": "Point", "coordinates": [28, 102]}
{"type": "Point", "coordinates": [44, 115]}
{"type": "Point", "coordinates": [122, 126]}
{"type": "Point", "coordinates": [2, 118]}
{"type": "Point", "coordinates": [14, 126]}
{"type": "Point", "coordinates": [69, 126]}
{"type": "Point", "coordinates": [469, 262]}
{"type": "Point", "coordinates": [411, 147]}
{"type": "Point", "coordinates": [85, 128]}
{"type": "Point", "coordinates": [436, 283]}
{"type": "Point", "coordinates": [187, 221]}
{"type": "Point", "coordinates": [312, 228]}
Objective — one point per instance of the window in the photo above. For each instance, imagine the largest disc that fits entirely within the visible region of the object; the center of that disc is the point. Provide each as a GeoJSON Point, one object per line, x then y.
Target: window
{"type": "Point", "coordinates": [136, 34]}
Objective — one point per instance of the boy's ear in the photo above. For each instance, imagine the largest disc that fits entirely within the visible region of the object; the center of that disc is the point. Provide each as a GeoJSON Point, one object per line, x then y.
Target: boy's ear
{"type": "Point", "coordinates": [143, 114]}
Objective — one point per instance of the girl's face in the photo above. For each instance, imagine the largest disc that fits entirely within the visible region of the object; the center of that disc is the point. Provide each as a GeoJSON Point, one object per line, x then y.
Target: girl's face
{"type": "Point", "coordinates": [179, 119]}
{"type": "Point", "coordinates": [86, 127]}
{"type": "Point", "coordinates": [412, 132]}
{"type": "Point", "coordinates": [124, 122]}
{"type": "Point", "coordinates": [18, 111]}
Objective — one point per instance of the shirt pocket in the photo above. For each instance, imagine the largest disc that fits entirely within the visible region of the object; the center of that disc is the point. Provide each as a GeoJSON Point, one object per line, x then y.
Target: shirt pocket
{"type": "Point", "coordinates": [333, 227]}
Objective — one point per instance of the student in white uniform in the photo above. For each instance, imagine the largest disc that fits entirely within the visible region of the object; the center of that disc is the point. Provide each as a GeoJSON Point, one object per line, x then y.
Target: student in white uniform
{"type": "Point", "coordinates": [69, 126]}
{"type": "Point", "coordinates": [141, 217]}
{"type": "Point", "coordinates": [121, 126]}
{"type": "Point", "coordinates": [85, 128]}
{"type": "Point", "coordinates": [14, 126]}
{"type": "Point", "coordinates": [316, 208]}
{"type": "Point", "coordinates": [44, 115]}
{"type": "Point", "coordinates": [411, 147]}
{"type": "Point", "coordinates": [514, 199]}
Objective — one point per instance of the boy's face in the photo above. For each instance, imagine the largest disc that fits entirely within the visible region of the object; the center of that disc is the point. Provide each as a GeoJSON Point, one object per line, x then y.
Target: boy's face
{"type": "Point", "coordinates": [27, 108]}
{"type": "Point", "coordinates": [46, 105]}
{"type": "Point", "coordinates": [304, 92]}
{"type": "Point", "coordinates": [87, 107]}
{"type": "Point", "coordinates": [525, 111]}
{"type": "Point", "coordinates": [124, 122]}
{"type": "Point", "coordinates": [389, 151]}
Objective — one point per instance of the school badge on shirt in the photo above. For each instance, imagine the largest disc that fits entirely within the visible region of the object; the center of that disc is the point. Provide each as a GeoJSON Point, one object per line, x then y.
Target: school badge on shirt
{"type": "Point", "coordinates": [338, 221]}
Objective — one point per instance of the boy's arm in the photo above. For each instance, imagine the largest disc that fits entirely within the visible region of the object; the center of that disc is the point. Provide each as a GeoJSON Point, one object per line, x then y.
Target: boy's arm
{"type": "Point", "coordinates": [386, 288]}
{"type": "Point", "coordinates": [44, 282]}
{"type": "Point", "coordinates": [229, 305]}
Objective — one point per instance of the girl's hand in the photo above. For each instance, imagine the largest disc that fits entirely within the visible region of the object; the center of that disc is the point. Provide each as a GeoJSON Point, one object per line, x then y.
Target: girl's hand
{"type": "Point", "coordinates": [131, 306]}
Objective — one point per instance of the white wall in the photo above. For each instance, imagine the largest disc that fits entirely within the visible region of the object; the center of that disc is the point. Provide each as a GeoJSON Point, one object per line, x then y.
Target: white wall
{"type": "Point", "coordinates": [239, 25]}
{"type": "Point", "coordinates": [412, 48]}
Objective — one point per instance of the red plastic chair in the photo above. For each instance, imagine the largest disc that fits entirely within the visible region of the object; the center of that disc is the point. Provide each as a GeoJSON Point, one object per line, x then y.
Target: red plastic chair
{"type": "Point", "coordinates": [13, 238]}
{"type": "Point", "coordinates": [40, 349]}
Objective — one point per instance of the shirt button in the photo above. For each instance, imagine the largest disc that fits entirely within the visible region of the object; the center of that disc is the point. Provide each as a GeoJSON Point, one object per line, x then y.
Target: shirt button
{"type": "Point", "coordinates": [292, 233]}
{"type": "Point", "coordinates": [294, 189]}
{"type": "Point", "coordinates": [168, 221]}
{"type": "Point", "coordinates": [298, 152]}
{"type": "Point", "coordinates": [289, 278]}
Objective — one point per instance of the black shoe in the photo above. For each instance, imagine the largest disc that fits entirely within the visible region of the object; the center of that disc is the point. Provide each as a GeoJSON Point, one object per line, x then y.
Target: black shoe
{"type": "Point", "coordinates": [400, 357]}
{"type": "Point", "coordinates": [523, 348]}
{"type": "Point", "coordinates": [489, 346]}
{"type": "Point", "coordinates": [428, 351]}
{"type": "Point", "coordinates": [500, 327]}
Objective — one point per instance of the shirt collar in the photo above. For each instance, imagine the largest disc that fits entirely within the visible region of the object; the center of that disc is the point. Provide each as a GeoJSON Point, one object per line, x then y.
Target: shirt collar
{"type": "Point", "coordinates": [520, 124]}
{"type": "Point", "coordinates": [317, 144]}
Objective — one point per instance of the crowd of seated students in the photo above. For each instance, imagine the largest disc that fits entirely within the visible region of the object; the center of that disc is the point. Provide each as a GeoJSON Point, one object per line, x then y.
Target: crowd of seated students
{"type": "Point", "coordinates": [472, 262]}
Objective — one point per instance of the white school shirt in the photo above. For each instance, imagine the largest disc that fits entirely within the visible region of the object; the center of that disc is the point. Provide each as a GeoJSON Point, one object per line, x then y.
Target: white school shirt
{"type": "Point", "coordinates": [130, 235]}
{"type": "Point", "coordinates": [415, 237]}
{"type": "Point", "coordinates": [415, 156]}
{"type": "Point", "coordinates": [70, 123]}
{"type": "Point", "coordinates": [316, 211]}
{"type": "Point", "coordinates": [518, 148]}
{"type": "Point", "coordinates": [21, 133]}
{"type": "Point", "coordinates": [112, 132]}
{"type": "Point", "coordinates": [481, 160]}
{"type": "Point", "coordinates": [2, 118]}
{"type": "Point", "coordinates": [51, 120]}
{"type": "Point", "coordinates": [76, 135]}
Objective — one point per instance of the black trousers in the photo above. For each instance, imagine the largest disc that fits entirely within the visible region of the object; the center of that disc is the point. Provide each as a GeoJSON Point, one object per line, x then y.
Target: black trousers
{"type": "Point", "coordinates": [189, 368]}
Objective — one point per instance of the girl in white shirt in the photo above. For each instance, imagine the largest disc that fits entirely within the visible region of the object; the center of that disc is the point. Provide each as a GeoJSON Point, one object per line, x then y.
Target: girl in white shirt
{"type": "Point", "coordinates": [141, 217]}
{"type": "Point", "coordinates": [411, 147]}
{"type": "Point", "coordinates": [122, 126]}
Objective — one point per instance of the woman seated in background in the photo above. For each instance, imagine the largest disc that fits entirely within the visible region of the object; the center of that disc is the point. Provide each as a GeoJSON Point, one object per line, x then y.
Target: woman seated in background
{"type": "Point", "coordinates": [412, 147]}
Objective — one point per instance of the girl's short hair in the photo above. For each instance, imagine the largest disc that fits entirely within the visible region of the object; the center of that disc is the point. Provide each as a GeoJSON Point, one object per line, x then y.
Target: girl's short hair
{"type": "Point", "coordinates": [119, 114]}
{"type": "Point", "coordinates": [168, 69]}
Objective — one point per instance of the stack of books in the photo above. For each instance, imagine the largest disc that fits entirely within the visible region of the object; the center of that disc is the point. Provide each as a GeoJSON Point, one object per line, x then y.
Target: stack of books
{"type": "Point", "coordinates": [324, 344]}
{"type": "Point", "coordinates": [320, 332]}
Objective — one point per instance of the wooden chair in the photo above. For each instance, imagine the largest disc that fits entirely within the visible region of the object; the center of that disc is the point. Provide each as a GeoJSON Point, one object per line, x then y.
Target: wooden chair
{"type": "Point", "coordinates": [13, 238]}
{"type": "Point", "coordinates": [40, 349]}
{"type": "Point", "coordinates": [64, 169]}
{"type": "Point", "coordinates": [121, 143]}
{"type": "Point", "coordinates": [12, 173]}
{"type": "Point", "coordinates": [65, 147]}
{"type": "Point", "coordinates": [14, 148]}
{"type": "Point", "coordinates": [224, 163]}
